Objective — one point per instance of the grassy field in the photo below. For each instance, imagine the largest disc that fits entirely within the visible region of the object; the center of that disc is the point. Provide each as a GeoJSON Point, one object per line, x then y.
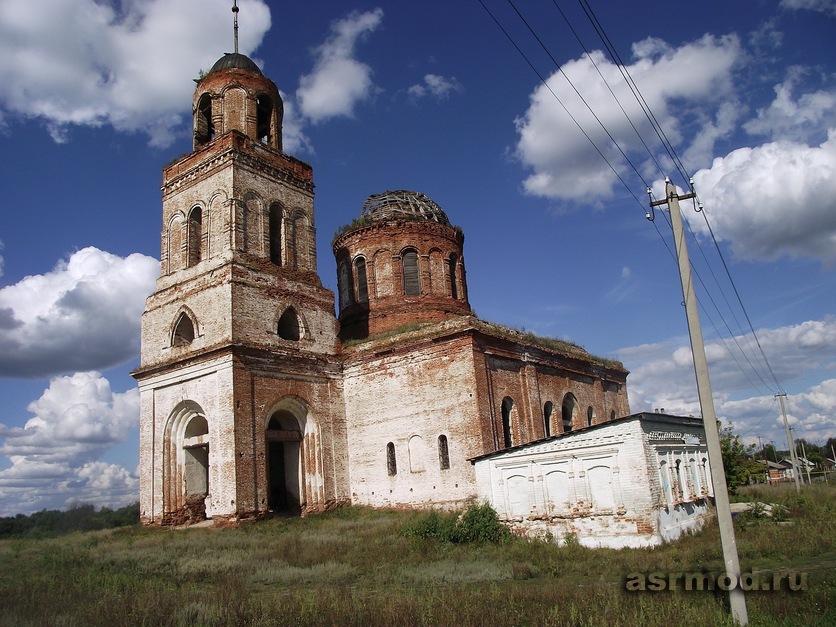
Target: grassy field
{"type": "Point", "coordinates": [356, 566]}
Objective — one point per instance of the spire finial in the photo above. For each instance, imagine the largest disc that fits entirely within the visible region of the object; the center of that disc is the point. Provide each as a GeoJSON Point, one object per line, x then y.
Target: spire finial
{"type": "Point", "coordinates": [235, 13]}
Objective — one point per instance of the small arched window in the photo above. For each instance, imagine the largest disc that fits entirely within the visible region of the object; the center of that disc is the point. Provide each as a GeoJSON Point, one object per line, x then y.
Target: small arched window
{"type": "Point", "coordinates": [548, 410]}
{"type": "Point", "coordinates": [183, 331]}
{"type": "Point", "coordinates": [195, 243]}
{"type": "Point", "coordinates": [289, 327]}
{"type": "Point", "coordinates": [443, 453]}
{"type": "Point", "coordinates": [590, 416]}
{"type": "Point", "coordinates": [454, 289]}
{"type": "Point", "coordinates": [507, 406]}
{"type": "Point", "coordinates": [612, 415]}
{"type": "Point", "coordinates": [569, 411]}
{"type": "Point", "coordinates": [391, 462]}
{"type": "Point", "coordinates": [411, 279]}
{"type": "Point", "coordinates": [276, 214]}
{"type": "Point", "coordinates": [360, 279]}
{"type": "Point", "coordinates": [264, 115]}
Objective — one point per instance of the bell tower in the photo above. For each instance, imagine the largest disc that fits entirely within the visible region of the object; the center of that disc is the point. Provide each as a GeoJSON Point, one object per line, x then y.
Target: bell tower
{"type": "Point", "coordinates": [240, 390]}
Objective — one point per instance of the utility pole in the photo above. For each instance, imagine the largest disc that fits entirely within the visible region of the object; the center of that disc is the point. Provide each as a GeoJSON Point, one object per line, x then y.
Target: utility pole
{"type": "Point", "coordinates": [737, 600]}
{"type": "Point", "coordinates": [793, 457]}
{"type": "Point", "coordinates": [806, 463]}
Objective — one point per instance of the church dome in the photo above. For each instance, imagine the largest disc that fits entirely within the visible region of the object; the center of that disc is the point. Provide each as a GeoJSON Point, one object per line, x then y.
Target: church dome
{"type": "Point", "coordinates": [402, 205]}
{"type": "Point", "coordinates": [234, 60]}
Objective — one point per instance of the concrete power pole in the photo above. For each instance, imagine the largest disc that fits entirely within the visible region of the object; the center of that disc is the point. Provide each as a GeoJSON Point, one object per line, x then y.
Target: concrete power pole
{"type": "Point", "coordinates": [793, 458]}
{"type": "Point", "coordinates": [737, 599]}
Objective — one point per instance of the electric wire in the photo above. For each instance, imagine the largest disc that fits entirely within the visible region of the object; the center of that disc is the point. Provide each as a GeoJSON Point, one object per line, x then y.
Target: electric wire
{"type": "Point", "coordinates": [556, 97]}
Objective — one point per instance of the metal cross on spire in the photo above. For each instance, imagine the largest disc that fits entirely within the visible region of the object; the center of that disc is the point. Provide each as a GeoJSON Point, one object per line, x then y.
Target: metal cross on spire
{"type": "Point", "coordinates": [235, 29]}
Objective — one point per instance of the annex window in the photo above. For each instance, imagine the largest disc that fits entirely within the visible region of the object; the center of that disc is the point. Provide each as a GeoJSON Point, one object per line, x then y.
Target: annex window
{"type": "Point", "coordinates": [411, 279]}
{"type": "Point", "coordinates": [183, 331]}
{"type": "Point", "coordinates": [548, 410]}
{"type": "Point", "coordinates": [289, 327]}
{"type": "Point", "coordinates": [391, 462]}
{"type": "Point", "coordinates": [276, 214]}
{"type": "Point", "coordinates": [360, 278]}
{"type": "Point", "coordinates": [454, 289]}
{"type": "Point", "coordinates": [443, 453]}
{"type": "Point", "coordinates": [195, 236]}
{"type": "Point", "coordinates": [507, 406]}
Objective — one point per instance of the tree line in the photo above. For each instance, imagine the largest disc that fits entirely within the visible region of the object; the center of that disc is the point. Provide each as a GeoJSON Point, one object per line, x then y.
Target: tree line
{"type": "Point", "coordinates": [79, 517]}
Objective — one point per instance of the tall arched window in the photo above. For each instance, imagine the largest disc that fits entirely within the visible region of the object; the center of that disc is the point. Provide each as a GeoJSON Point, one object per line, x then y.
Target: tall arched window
{"type": "Point", "coordinates": [344, 284]}
{"type": "Point", "coordinates": [454, 289]}
{"type": "Point", "coordinates": [264, 114]}
{"type": "Point", "coordinates": [183, 331]}
{"type": "Point", "coordinates": [548, 410]}
{"type": "Point", "coordinates": [195, 236]}
{"type": "Point", "coordinates": [443, 453]}
{"type": "Point", "coordinates": [391, 462]}
{"type": "Point", "coordinates": [360, 279]}
{"type": "Point", "coordinates": [411, 279]}
{"type": "Point", "coordinates": [204, 130]}
{"type": "Point", "coordinates": [569, 412]}
{"type": "Point", "coordinates": [276, 213]}
{"type": "Point", "coordinates": [297, 241]}
{"type": "Point", "coordinates": [507, 406]}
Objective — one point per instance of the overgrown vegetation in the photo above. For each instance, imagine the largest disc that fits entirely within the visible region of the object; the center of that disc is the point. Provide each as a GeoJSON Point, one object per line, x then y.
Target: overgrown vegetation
{"type": "Point", "coordinates": [355, 566]}
{"type": "Point", "coordinates": [478, 524]}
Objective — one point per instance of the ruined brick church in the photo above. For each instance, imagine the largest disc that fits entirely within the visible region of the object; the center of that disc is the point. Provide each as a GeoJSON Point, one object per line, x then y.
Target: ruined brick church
{"type": "Point", "coordinates": [255, 397]}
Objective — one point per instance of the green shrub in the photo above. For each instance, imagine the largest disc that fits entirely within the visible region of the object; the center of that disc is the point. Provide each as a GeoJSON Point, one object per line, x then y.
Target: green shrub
{"type": "Point", "coordinates": [478, 524]}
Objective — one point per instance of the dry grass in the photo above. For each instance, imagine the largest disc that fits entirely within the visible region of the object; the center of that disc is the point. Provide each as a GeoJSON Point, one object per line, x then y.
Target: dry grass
{"type": "Point", "coordinates": [356, 567]}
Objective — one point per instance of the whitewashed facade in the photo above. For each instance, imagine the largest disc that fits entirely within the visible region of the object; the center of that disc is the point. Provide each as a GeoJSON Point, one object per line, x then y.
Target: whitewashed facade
{"type": "Point", "coordinates": [636, 481]}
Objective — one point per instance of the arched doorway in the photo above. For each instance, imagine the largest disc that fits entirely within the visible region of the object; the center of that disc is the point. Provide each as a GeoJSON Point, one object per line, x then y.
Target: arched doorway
{"type": "Point", "coordinates": [284, 439]}
{"type": "Point", "coordinates": [196, 457]}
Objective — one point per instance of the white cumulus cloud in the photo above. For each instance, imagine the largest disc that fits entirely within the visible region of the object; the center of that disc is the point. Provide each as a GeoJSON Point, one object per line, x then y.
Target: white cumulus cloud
{"type": "Point", "coordinates": [772, 200]}
{"type": "Point", "coordinates": [565, 166]}
{"type": "Point", "coordinates": [339, 81]}
{"type": "Point", "coordinates": [82, 315]}
{"type": "Point", "coordinates": [55, 455]}
{"type": "Point", "coordinates": [128, 65]}
{"type": "Point", "coordinates": [823, 6]}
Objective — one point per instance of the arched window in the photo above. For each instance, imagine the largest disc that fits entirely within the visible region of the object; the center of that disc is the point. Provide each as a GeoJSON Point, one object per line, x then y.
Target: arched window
{"type": "Point", "coordinates": [204, 130]}
{"type": "Point", "coordinates": [391, 462]}
{"type": "Point", "coordinates": [289, 327]}
{"type": "Point", "coordinates": [507, 406]}
{"type": "Point", "coordinates": [443, 453]}
{"type": "Point", "coordinates": [411, 279]}
{"type": "Point", "coordinates": [195, 236]}
{"type": "Point", "coordinates": [264, 114]}
{"type": "Point", "coordinates": [183, 331]}
{"type": "Point", "coordinates": [276, 214]}
{"type": "Point", "coordinates": [415, 447]}
{"type": "Point", "coordinates": [612, 415]}
{"type": "Point", "coordinates": [297, 241]}
{"type": "Point", "coordinates": [360, 279]}
{"type": "Point", "coordinates": [548, 410]}
{"type": "Point", "coordinates": [569, 412]}
{"type": "Point", "coordinates": [454, 289]}
{"type": "Point", "coordinates": [344, 284]}
{"type": "Point", "coordinates": [590, 416]}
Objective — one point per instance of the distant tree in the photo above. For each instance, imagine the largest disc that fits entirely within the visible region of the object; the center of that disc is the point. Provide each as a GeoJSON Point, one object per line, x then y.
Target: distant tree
{"type": "Point", "coordinates": [738, 460]}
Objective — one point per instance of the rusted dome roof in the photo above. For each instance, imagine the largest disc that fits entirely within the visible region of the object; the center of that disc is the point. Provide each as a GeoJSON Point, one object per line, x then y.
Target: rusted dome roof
{"type": "Point", "coordinates": [234, 60]}
{"type": "Point", "coordinates": [402, 204]}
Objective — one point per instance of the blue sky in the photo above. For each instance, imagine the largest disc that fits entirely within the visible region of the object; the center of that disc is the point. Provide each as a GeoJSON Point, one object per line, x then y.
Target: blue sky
{"type": "Point", "coordinates": [95, 98]}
